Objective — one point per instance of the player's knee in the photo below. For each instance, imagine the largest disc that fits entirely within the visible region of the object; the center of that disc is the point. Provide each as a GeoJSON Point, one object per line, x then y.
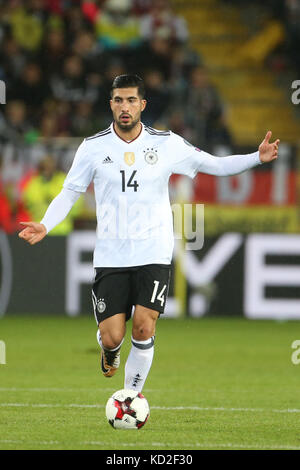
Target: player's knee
{"type": "Point", "coordinates": [111, 340]}
{"type": "Point", "coordinates": [143, 331]}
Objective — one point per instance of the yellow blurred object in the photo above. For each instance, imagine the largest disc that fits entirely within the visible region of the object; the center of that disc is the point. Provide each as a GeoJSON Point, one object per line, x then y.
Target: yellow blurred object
{"type": "Point", "coordinates": [112, 34]}
{"type": "Point", "coordinates": [38, 194]}
{"type": "Point", "coordinates": [27, 29]}
{"type": "Point", "coordinates": [257, 49]}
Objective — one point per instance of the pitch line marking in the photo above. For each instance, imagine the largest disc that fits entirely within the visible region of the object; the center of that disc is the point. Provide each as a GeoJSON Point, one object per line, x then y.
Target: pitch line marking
{"type": "Point", "coordinates": [37, 389]}
{"type": "Point", "coordinates": [169, 445]}
{"type": "Point", "coordinates": [99, 389]}
{"type": "Point", "coordinates": [166, 408]}
{"type": "Point", "coordinates": [197, 444]}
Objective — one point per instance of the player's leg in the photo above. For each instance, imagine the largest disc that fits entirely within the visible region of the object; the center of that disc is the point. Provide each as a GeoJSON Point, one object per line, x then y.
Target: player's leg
{"type": "Point", "coordinates": [151, 289]}
{"type": "Point", "coordinates": [110, 299]}
{"type": "Point", "coordinates": [110, 336]}
{"type": "Point", "coordinates": [144, 322]}
{"type": "Point", "coordinates": [112, 331]}
{"type": "Point", "coordinates": [141, 354]}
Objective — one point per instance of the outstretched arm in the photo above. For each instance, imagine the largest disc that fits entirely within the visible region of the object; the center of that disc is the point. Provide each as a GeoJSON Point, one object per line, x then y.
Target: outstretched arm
{"type": "Point", "coordinates": [193, 160]}
{"type": "Point", "coordinates": [58, 209]}
{"type": "Point", "coordinates": [235, 164]}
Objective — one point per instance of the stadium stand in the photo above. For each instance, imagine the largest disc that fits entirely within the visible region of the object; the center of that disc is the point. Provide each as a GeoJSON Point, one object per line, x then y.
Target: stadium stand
{"type": "Point", "coordinates": [249, 50]}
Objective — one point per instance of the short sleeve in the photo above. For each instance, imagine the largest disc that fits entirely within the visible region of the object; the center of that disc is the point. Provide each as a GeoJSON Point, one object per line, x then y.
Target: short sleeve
{"type": "Point", "coordinates": [81, 172]}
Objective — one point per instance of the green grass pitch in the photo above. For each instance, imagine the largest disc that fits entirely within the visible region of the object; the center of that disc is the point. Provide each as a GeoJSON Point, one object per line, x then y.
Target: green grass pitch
{"type": "Point", "coordinates": [215, 383]}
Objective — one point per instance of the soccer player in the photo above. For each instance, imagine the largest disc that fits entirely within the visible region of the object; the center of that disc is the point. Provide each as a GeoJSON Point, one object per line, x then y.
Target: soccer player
{"type": "Point", "coordinates": [130, 165]}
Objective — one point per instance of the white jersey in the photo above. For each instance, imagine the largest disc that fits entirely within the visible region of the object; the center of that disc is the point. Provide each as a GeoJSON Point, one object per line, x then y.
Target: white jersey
{"type": "Point", "coordinates": [134, 216]}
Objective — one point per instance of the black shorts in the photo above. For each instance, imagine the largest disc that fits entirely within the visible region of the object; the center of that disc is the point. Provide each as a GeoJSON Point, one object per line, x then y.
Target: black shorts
{"type": "Point", "coordinates": [117, 290]}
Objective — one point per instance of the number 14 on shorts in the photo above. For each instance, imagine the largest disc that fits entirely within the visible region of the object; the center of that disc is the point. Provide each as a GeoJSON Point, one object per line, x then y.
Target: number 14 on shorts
{"type": "Point", "coordinates": [158, 295]}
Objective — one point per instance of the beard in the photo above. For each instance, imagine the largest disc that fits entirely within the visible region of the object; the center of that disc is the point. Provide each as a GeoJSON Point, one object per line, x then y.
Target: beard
{"type": "Point", "coordinates": [127, 127]}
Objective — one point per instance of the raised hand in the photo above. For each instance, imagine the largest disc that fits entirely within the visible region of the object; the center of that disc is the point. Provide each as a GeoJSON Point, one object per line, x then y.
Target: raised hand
{"type": "Point", "coordinates": [33, 232]}
{"type": "Point", "coordinates": [267, 151]}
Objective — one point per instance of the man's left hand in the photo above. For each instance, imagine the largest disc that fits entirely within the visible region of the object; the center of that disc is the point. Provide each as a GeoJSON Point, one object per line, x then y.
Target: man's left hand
{"type": "Point", "coordinates": [267, 151]}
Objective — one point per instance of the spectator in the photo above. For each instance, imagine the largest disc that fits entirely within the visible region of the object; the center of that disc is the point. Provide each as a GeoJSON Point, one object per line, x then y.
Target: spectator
{"type": "Point", "coordinates": [90, 10]}
{"type": "Point", "coordinates": [161, 20]}
{"type": "Point", "coordinates": [12, 60]}
{"type": "Point", "coordinates": [26, 24]}
{"type": "Point", "coordinates": [48, 128]}
{"type": "Point", "coordinates": [158, 53]}
{"type": "Point", "coordinates": [52, 53]}
{"type": "Point", "coordinates": [14, 124]}
{"type": "Point", "coordinates": [114, 67]}
{"type": "Point", "coordinates": [54, 6]}
{"type": "Point", "coordinates": [141, 7]}
{"type": "Point", "coordinates": [86, 47]}
{"type": "Point", "coordinates": [176, 122]}
{"type": "Point", "coordinates": [157, 95]}
{"type": "Point", "coordinates": [203, 109]}
{"type": "Point", "coordinates": [116, 27]}
{"type": "Point", "coordinates": [184, 60]}
{"type": "Point", "coordinates": [32, 88]}
{"type": "Point", "coordinates": [40, 191]}
{"type": "Point", "coordinates": [84, 122]}
{"type": "Point", "coordinates": [72, 84]}
{"type": "Point", "coordinates": [63, 112]}
{"type": "Point", "coordinates": [75, 22]}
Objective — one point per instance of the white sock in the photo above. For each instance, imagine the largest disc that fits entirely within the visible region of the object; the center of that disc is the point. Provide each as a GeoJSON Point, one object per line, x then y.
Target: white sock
{"type": "Point", "coordinates": [99, 338]}
{"type": "Point", "coordinates": [138, 363]}
{"type": "Point", "coordinates": [101, 345]}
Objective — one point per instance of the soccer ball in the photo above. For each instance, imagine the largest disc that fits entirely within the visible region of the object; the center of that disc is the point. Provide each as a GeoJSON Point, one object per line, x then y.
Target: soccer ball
{"type": "Point", "coordinates": [127, 409]}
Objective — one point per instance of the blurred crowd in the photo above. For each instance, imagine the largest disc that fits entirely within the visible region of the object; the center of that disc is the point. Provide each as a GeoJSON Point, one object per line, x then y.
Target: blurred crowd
{"type": "Point", "coordinates": [288, 13]}
{"type": "Point", "coordinates": [58, 59]}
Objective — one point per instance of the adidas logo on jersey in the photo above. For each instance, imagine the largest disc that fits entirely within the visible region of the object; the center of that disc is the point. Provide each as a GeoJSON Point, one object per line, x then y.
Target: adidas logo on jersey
{"type": "Point", "coordinates": [107, 160]}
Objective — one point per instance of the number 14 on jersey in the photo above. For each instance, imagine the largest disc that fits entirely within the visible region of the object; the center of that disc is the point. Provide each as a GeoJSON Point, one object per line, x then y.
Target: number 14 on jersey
{"type": "Point", "coordinates": [130, 183]}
